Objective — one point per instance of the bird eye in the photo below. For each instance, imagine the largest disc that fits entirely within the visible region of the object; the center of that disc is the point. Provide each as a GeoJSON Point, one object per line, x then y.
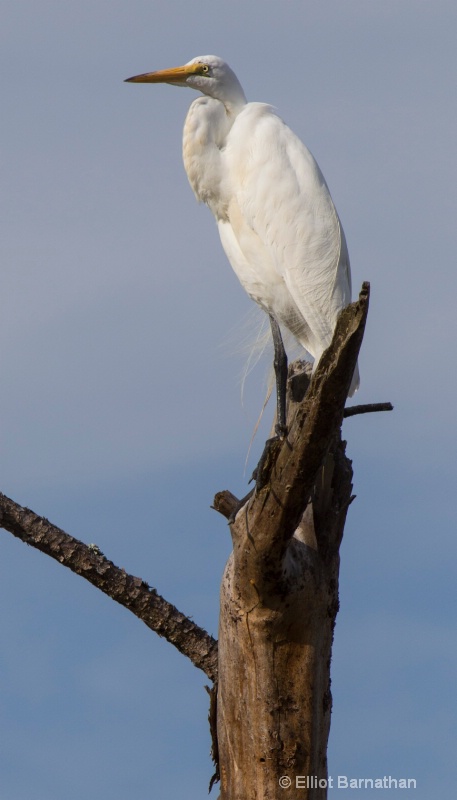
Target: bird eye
{"type": "Point", "coordinates": [205, 69]}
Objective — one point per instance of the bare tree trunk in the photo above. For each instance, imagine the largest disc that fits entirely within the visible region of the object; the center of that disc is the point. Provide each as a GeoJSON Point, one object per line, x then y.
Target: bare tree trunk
{"type": "Point", "coordinates": [279, 594]}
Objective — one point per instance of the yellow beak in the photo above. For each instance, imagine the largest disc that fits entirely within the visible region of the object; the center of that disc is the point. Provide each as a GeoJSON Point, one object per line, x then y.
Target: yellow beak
{"type": "Point", "coordinates": [173, 75]}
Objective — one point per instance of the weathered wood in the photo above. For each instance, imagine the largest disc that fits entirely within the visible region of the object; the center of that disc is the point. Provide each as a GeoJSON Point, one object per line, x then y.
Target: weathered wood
{"type": "Point", "coordinates": [131, 592]}
{"type": "Point", "coordinates": [279, 594]}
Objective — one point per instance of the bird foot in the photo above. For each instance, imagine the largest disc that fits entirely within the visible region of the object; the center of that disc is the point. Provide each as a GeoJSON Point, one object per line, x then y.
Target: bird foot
{"type": "Point", "coordinates": [280, 430]}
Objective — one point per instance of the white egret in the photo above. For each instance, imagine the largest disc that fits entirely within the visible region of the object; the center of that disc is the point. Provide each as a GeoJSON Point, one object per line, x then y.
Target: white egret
{"type": "Point", "coordinates": [276, 219]}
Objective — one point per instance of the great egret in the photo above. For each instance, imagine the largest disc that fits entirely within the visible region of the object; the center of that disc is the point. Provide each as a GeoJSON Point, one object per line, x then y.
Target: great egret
{"type": "Point", "coordinates": [276, 219]}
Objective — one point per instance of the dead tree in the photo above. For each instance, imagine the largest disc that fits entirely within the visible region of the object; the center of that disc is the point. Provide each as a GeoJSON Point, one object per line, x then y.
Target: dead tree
{"type": "Point", "coordinates": [271, 700]}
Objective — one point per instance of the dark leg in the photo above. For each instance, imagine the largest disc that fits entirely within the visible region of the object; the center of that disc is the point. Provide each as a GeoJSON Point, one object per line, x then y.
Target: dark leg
{"type": "Point", "coordinates": [262, 472]}
{"type": "Point", "coordinates": [280, 365]}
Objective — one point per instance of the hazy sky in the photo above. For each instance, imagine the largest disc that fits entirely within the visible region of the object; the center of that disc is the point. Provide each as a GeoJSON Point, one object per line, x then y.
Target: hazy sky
{"type": "Point", "coordinates": [124, 335]}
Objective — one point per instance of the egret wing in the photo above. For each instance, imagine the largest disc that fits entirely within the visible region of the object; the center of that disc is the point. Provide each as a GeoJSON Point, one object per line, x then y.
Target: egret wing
{"type": "Point", "coordinates": [285, 223]}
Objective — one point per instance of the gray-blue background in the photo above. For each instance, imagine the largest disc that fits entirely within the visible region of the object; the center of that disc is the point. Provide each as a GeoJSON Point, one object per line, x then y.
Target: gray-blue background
{"type": "Point", "coordinates": [123, 341]}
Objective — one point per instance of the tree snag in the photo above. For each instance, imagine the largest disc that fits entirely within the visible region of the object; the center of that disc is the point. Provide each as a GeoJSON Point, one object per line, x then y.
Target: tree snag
{"type": "Point", "coordinates": [279, 594]}
{"type": "Point", "coordinates": [270, 711]}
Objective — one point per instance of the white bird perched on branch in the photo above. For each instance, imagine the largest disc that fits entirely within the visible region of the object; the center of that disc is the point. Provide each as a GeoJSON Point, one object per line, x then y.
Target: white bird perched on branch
{"type": "Point", "coordinates": [276, 219]}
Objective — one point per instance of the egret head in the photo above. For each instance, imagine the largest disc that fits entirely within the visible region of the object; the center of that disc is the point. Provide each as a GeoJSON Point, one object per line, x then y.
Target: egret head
{"type": "Point", "coordinates": [208, 74]}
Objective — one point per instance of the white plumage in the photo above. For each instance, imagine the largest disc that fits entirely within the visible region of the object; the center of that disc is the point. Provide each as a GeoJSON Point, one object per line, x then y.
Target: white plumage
{"type": "Point", "coordinates": [276, 218]}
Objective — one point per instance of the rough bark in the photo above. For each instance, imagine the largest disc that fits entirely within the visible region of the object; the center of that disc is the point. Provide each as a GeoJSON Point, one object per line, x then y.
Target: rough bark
{"type": "Point", "coordinates": [131, 592]}
{"type": "Point", "coordinates": [279, 594]}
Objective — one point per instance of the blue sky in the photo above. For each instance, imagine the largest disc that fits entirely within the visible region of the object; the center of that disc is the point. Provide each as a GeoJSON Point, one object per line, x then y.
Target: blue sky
{"type": "Point", "coordinates": [123, 342]}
